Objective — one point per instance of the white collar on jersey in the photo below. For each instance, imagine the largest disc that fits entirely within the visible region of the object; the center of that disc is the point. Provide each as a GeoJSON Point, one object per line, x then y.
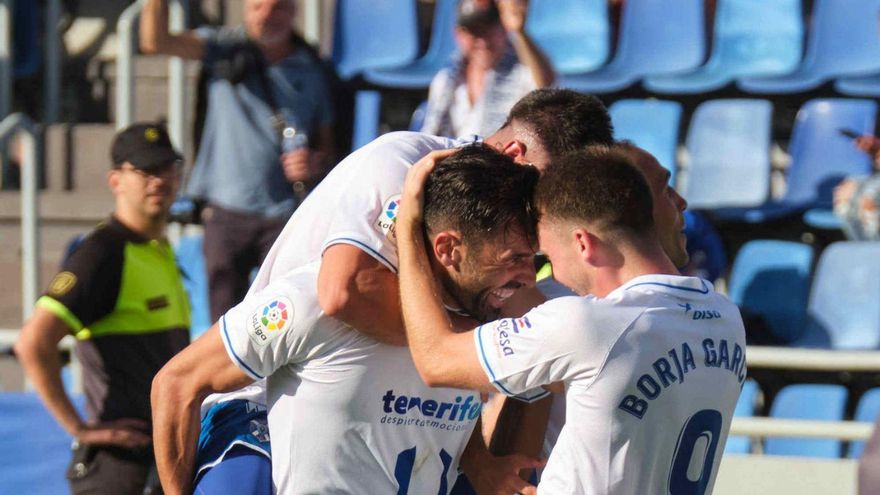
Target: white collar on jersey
{"type": "Point", "coordinates": [669, 283]}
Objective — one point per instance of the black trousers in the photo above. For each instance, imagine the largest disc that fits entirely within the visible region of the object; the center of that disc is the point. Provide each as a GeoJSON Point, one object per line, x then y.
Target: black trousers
{"type": "Point", "coordinates": [235, 244]}
{"type": "Point", "coordinates": [96, 470]}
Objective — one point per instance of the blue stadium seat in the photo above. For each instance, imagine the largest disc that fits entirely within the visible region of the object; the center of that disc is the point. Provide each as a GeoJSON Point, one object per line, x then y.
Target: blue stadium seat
{"type": "Point", "coordinates": [864, 86]}
{"type": "Point", "coordinates": [373, 35]}
{"type": "Point", "coordinates": [650, 124]}
{"type": "Point", "coordinates": [843, 311]}
{"type": "Point", "coordinates": [418, 117]}
{"type": "Point", "coordinates": [656, 37]}
{"type": "Point", "coordinates": [867, 410]}
{"type": "Point", "coordinates": [728, 145]}
{"type": "Point", "coordinates": [820, 158]}
{"type": "Point", "coordinates": [745, 408]}
{"type": "Point", "coordinates": [772, 279]}
{"type": "Point", "coordinates": [191, 259]}
{"type": "Point", "coordinates": [367, 107]}
{"type": "Point", "coordinates": [842, 41]}
{"type": "Point", "coordinates": [573, 33]}
{"type": "Point", "coordinates": [419, 73]}
{"type": "Point", "coordinates": [34, 449]}
{"type": "Point", "coordinates": [751, 38]}
{"type": "Point", "coordinates": [813, 402]}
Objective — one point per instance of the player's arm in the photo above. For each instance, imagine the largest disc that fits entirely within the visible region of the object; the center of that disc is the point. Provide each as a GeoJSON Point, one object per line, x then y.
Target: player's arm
{"type": "Point", "coordinates": [489, 474]}
{"type": "Point", "coordinates": [177, 394]}
{"type": "Point", "coordinates": [37, 351]}
{"type": "Point", "coordinates": [155, 37]}
{"type": "Point", "coordinates": [443, 357]}
{"type": "Point", "coordinates": [362, 292]}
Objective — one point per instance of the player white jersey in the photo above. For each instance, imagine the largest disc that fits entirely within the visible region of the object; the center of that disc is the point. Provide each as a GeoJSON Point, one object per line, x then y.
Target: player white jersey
{"type": "Point", "coordinates": [355, 204]}
{"type": "Point", "coordinates": [652, 374]}
{"type": "Point", "coordinates": [346, 413]}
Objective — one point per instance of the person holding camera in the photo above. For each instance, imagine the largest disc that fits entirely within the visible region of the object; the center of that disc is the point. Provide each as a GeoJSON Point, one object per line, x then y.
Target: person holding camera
{"type": "Point", "coordinates": [120, 293]}
{"type": "Point", "coordinates": [267, 136]}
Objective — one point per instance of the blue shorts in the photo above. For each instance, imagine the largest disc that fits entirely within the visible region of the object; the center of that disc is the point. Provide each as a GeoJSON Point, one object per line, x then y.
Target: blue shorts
{"type": "Point", "coordinates": [234, 446]}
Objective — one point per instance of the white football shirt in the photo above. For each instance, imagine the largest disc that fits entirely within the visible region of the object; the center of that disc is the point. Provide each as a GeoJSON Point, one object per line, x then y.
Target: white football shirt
{"type": "Point", "coordinates": [346, 413]}
{"type": "Point", "coordinates": [355, 204]}
{"type": "Point", "coordinates": [652, 373]}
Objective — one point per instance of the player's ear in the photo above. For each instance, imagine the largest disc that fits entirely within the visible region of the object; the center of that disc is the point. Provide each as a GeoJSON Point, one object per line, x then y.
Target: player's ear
{"type": "Point", "coordinates": [447, 248]}
{"type": "Point", "coordinates": [587, 244]}
{"type": "Point", "coordinates": [515, 149]}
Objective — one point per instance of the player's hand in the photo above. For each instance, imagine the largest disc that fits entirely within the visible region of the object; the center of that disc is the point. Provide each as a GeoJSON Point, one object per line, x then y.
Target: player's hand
{"type": "Point", "coordinates": [302, 165]}
{"type": "Point", "coordinates": [513, 14]}
{"type": "Point", "coordinates": [412, 199]}
{"type": "Point", "coordinates": [500, 475]}
{"type": "Point", "coordinates": [130, 433]}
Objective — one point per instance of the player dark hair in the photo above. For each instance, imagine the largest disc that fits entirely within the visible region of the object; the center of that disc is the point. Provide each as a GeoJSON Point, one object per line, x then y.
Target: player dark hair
{"type": "Point", "coordinates": [481, 193]}
{"type": "Point", "coordinates": [564, 120]}
{"type": "Point", "coordinates": [599, 185]}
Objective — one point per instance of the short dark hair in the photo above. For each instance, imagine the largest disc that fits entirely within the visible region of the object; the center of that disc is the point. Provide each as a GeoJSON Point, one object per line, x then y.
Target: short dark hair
{"type": "Point", "coordinates": [481, 193]}
{"type": "Point", "coordinates": [600, 185]}
{"type": "Point", "coordinates": [564, 120]}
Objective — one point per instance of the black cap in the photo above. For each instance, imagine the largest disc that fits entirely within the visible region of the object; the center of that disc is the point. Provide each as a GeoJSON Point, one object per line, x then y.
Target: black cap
{"type": "Point", "coordinates": [145, 145]}
{"type": "Point", "coordinates": [475, 15]}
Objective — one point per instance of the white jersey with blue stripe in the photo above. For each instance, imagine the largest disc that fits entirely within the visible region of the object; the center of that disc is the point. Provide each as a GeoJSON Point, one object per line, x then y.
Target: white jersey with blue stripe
{"type": "Point", "coordinates": [347, 414]}
{"type": "Point", "coordinates": [652, 373]}
{"type": "Point", "coordinates": [355, 204]}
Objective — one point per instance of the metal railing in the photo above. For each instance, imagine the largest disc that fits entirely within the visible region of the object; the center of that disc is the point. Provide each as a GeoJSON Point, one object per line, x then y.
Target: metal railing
{"type": "Point", "coordinates": [30, 211]}
{"type": "Point", "coordinates": [125, 71]}
{"type": "Point", "coordinates": [5, 57]}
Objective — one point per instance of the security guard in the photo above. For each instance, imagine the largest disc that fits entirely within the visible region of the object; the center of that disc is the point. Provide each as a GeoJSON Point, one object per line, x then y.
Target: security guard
{"type": "Point", "coordinates": [121, 294]}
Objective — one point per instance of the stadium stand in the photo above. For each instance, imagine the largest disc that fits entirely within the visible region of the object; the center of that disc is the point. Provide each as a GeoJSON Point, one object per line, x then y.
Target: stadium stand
{"type": "Point", "coordinates": [843, 41]}
{"type": "Point", "coordinates": [373, 35]}
{"type": "Point", "coordinates": [656, 37]}
{"type": "Point", "coordinates": [820, 158]}
{"type": "Point", "coordinates": [770, 280]}
{"type": "Point", "coordinates": [843, 310]}
{"type": "Point", "coordinates": [728, 148]}
{"type": "Point", "coordinates": [650, 124]}
{"type": "Point", "coordinates": [867, 410]}
{"type": "Point", "coordinates": [751, 38]}
{"type": "Point", "coordinates": [745, 407]}
{"type": "Point", "coordinates": [573, 33]}
{"type": "Point", "coordinates": [807, 401]}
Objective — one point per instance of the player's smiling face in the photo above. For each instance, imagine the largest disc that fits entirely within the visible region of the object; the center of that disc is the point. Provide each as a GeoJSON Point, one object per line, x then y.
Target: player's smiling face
{"type": "Point", "coordinates": [490, 273]}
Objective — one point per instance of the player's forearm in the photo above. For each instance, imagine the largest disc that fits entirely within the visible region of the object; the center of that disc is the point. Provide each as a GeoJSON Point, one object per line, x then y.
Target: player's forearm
{"type": "Point", "coordinates": [533, 57]}
{"type": "Point", "coordinates": [175, 431]}
{"type": "Point", "coordinates": [521, 427]}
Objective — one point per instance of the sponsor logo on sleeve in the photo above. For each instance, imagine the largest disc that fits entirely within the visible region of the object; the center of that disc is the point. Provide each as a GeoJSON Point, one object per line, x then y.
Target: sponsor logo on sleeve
{"type": "Point", "coordinates": [272, 320]}
{"type": "Point", "coordinates": [62, 283]}
{"type": "Point", "coordinates": [386, 220]}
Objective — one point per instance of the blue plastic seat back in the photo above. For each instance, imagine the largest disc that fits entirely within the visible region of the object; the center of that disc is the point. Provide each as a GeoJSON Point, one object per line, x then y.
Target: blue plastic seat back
{"type": "Point", "coordinates": [813, 402]}
{"type": "Point", "coordinates": [867, 410]}
{"type": "Point", "coordinates": [844, 307]}
{"type": "Point", "coordinates": [745, 408]}
{"type": "Point", "coordinates": [573, 33]}
{"type": "Point", "coordinates": [34, 449]}
{"type": "Point", "coordinates": [757, 37]}
{"type": "Point", "coordinates": [658, 36]}
{"type": "Point", "coordinates": [191, 259]}
{"type": "Point", "coordinates": [728, 144]}
{"type": "Point", "coordinates": [650, 124]}
{"type": "Point", "coordinates": [375, 34]}
{"type": "Point", "coordinates": [442, 44]}
{"type": "Point", "coordinates": [367, 107]}
{"type": "Point", "coordinates": [820, 155]}
{"type": "Point", "coordinates": [772, 279]}
{"type": "Point", "coordinates": [843, 38]}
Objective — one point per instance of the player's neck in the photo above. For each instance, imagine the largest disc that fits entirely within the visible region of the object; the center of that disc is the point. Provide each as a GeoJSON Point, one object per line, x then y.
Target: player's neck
{"type": "Point", "coordinates": [636, 263]}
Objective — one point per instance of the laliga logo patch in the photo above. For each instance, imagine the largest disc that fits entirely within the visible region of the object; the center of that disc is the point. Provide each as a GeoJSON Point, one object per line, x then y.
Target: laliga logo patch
{"type": "Point", "coordinates": [62, 283]}
{"type": "Point", "coordinates": [268, 323]}
{"type": "Point", "coordinates": [388, 216]}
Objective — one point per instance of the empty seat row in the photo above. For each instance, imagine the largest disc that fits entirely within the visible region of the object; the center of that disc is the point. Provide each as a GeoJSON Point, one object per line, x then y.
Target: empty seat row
{"type": "Point", "coordinates": [805, 402]}
{"type": "Point", "coordinates": [759, 45]}
{"type": "Point", "coordinates": [834, 306]}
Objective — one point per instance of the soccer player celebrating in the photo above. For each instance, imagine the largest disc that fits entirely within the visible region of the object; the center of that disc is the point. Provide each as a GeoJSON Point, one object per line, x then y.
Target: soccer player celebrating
{"type": "Point", "coordinates": [651, 362]}
{"type": "Point", "coordinates": [347, 226]}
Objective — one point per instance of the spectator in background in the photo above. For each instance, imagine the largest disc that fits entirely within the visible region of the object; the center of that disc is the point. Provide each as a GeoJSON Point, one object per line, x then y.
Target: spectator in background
{"type": "Point", "coordinates": [264, 83]}
{"type": "Point", "coordinates": [121, 294]}
{"type": "Point", "coordinates": [857, 199]}
{"type": "Point", "coordinates": [498, 63]}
